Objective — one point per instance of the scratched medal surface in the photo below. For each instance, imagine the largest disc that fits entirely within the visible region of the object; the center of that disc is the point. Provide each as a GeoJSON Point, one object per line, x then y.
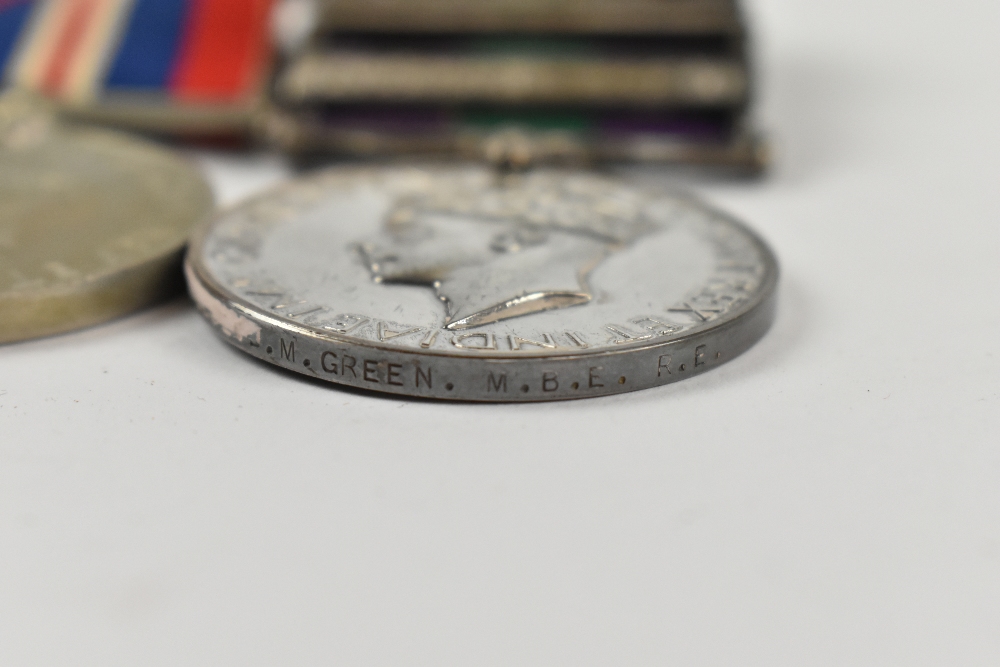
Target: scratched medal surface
{"type": "Point", "coordinates": [464, 284]}
{"type": "Point", "coordinates": [92, 223]}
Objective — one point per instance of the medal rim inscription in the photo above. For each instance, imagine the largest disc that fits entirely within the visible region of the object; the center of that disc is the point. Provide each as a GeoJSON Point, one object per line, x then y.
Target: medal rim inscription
{"type": "Point", "coordinates": [755, 314]}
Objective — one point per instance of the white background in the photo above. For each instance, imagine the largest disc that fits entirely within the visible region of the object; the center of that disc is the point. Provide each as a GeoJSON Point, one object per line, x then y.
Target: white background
{"type": "Point", "coordinates": [830, 498]}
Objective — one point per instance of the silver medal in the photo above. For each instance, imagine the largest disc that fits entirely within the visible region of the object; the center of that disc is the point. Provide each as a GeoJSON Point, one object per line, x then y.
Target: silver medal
{"type": "Point", "coordinates": [464, 284]}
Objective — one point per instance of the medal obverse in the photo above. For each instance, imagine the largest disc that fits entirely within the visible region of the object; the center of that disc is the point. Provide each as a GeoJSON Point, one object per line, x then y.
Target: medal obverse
{"type": "Point", "coordinates": [464, 284]}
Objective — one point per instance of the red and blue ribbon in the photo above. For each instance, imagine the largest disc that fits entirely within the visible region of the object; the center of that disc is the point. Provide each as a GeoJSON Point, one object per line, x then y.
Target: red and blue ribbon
{"type": "Point", "coordinates": [187, 51]}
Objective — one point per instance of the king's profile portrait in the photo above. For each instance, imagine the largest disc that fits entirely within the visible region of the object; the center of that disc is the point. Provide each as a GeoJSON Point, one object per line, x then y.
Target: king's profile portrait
{"type": "Point", "coordinates": [522, 246]}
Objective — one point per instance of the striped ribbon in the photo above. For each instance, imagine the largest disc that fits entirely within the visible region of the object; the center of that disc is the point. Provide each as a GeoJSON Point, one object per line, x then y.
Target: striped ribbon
{"type": "Point", "coordinates": [190, 51]}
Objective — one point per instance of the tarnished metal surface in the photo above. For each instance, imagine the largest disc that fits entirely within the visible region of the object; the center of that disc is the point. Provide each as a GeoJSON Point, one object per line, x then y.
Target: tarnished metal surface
{"type": "Point", "coordinates": [337, 77]}
{"type": "Point", "coordinates": [545, 16]}
{"type": "Point", "coordinates": [92, 223]}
